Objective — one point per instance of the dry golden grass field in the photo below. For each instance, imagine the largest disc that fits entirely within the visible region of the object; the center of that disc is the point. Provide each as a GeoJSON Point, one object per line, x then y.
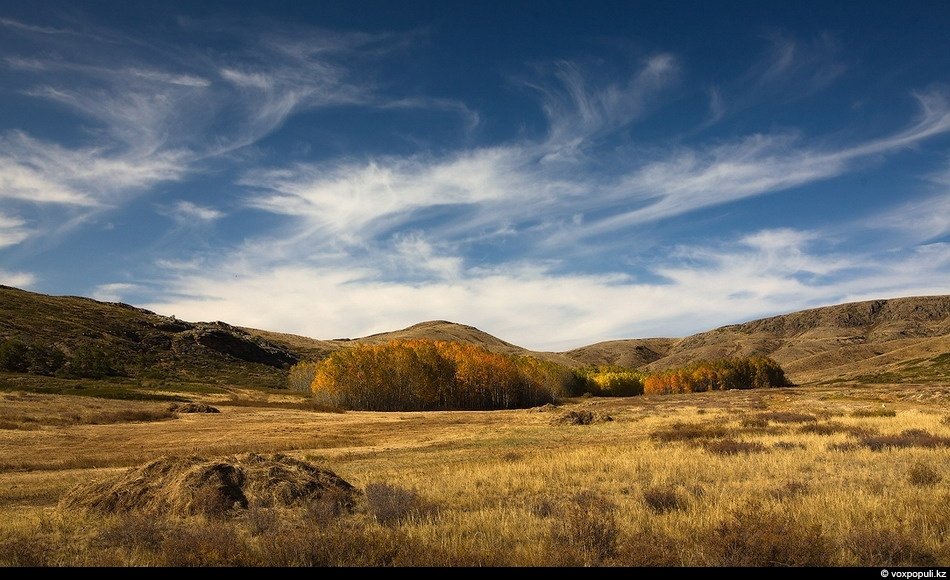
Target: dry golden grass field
{"type": "Point", "coordinates": [845, 474]}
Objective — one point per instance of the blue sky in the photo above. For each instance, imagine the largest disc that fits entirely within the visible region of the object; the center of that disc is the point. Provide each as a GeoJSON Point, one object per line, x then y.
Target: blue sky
{"type": "Point", "coordinates": [552, 175]}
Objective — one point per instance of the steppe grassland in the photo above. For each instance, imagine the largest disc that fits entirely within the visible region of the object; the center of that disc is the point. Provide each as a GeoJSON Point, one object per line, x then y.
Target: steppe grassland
{"type": "Point", "coordinates": [784, 476]}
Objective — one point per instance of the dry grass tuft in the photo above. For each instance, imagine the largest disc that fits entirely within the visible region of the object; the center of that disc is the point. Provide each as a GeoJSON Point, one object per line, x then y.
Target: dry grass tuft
{"type": "Point", "coordinates": [197, 486]}
{"type": "Point", "coordinates": [923, 475]}
{"type": "Point", "coordinates": [889, 547]}
{"type": "Point", "coordinates": [906, 438]}
{"type": "Point", "coordinates": [788, 445]}
{"type": "Point", "coordinates": [755, 422]}
{"type": "Point", "coordinates": [587, 531]}
{"type": "Point", "coordinates": [581, 417]}
{"type": "Point", "coordinates": [132, 530]}
{"type": "Point", "coordinates": [833, 428]}
{"type": "Point", "coordinates": [26, 551]}
{"type": "Point", "coordinates": [128, 416]}
{"type": "Point", "coordinates": [734, 447]}
{"type": "Point", "coordinates": [790, 490]}
{"type": "Point", "coordinates": [754, 535]}
{"type": "Point", "coordinates": [192, 408]}
{"type": "Point", "coordinates": [207, 543]}
{"type": "Point", "coordinates": [876, 412]}
{"type": "Point", "coordinates": [392, 505]}
{"type": "Point", "coordinates": [690, 432]}
{"type": "Point", "coordinates": [662, 500]}
{"type": "Point", "coordinates": [786, 417]}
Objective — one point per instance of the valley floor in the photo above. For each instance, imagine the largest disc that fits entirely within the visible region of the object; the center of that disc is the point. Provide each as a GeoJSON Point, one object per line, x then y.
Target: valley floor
{"type": "Point", "coordinates": [813, 475]}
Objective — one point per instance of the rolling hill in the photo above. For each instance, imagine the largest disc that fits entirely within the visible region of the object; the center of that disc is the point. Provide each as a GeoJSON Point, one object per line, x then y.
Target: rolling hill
{"type": "Point", "coordinates": [139, 343]}
{"type": "Point", "coordinates": [897, 340]}
{"type": "Point", "coordinates": [888, 339]}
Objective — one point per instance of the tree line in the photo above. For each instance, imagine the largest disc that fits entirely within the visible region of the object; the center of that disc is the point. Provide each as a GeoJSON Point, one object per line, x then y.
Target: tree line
{"type": "Point", "coordinates": [425, 375]}
{"type": "Point", "coordinates": [717, 375]}
{"type": "Point", "coordinates": [421, 375]}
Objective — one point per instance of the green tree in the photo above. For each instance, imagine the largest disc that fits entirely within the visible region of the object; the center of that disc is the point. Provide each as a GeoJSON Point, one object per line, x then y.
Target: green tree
{"type": "Point", "coordinates": [14, 356]}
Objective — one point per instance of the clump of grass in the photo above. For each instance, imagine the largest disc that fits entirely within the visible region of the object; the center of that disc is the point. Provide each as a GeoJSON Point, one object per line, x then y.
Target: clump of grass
{"type": "Point", "coordinates": [923, 475]}
{"type": "Point", "coordinates": [752, 535]}
{"type": "Point", "coordinates": [260, 519]}
{"type": "Point", "coordinates": [587, 530]}
{"type": "Point", "coordinates": [210, 487]}
{"type": "Point", "coordinates": [26, 550]}
{"type": "Point", "coordinates": [392, 505]}
{"type": "Point", "coordinates": [834, 427]}
{"type": "Point", "coordinates": [18, 426]}
{"type": "Point", "coordinates": [788, 445]}
{"type": "Point", "coordinates": [907, 438]}
{"type": "Point", "coordinates": [842, 447]}
{"type": "Point", "coordinates": [132, 530]}
{"type": "Point", "coordinates": [329, 506]}
{"type": "Point", "coordinates": [205, 543]}
{"type": "Point", "coordinates": [734, 447]}
{"type": "Point", "coordinates": [192, 408]}
{"type": "Point", "coordinates": [582, 417]}
{"type": "Point", "coordinates": [877, 412]}
{"type": "Point", "coordinates": [690, 432]}
{"type": "Point", "coordinates": [542, 507]}
{"type": "Point", "coordinates": [945, 420]}
{"type": "Point", "coordinates": [661, 500]}
{"type": "Point", "coordinates": [128, 416]}
{"type": "Point", "coordinates": [786, 417]}
{"type": "Point", "coordinates": [889, 547]}
{"type": "Point", "coordinates": [650, 547]}
{"type": "Point", "coordinates": [754, 422]}
{"type": "Point", "coordinates": [512, 456]}
{"type": "Point", "coordinates": [789, 490]}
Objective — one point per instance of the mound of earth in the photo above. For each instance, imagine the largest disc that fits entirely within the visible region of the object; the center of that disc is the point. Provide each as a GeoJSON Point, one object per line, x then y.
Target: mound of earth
{"type": "Point", "coordinates": [581, 418]}
{"type": "Point", "coordinates": [193, 408]}
{"type": "Point", "coordinates": [211, 487]}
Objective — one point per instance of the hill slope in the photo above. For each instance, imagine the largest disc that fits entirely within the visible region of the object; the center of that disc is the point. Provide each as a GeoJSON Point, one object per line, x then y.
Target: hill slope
{"type": "Point", "coordinates": [140, 343]}
{"type": "Point", "coordinates": [897, 340]}
{"type": "Point", "coordinates": [849, 341]}
{"type": "Point", "coordinates": [429, 330]}
{"type": "Point", "coordinates": [632, 353]}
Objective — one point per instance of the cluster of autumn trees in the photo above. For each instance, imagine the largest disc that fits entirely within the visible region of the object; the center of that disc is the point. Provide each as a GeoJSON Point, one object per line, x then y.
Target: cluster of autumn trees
{"type": "Point", "coordinates": [425, 375]}
{"type": "Point", "coordinates": [405, 375]}
{"type": "Point", "coordinates": [718, 375]}
{"type": "Point", "coordinates": [608, 381]}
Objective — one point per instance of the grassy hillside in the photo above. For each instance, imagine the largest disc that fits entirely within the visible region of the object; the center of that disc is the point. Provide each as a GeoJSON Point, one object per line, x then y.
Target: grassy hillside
{"type": "Point", "coordinates": [135, 344]}
{"type": "Point", "coordinates": [631, 353]}
{"type": "Point", "coordinates": [843, 342]}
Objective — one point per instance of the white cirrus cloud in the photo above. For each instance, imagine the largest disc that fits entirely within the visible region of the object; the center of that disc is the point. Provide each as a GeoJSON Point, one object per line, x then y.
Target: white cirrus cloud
{"type": "Point", "coordinates": [538, 306]}
{"type": "Point", "coordinates": [17, 279]}
{"type": "Point", "coordinates": [189, 212]}
{"type": "Point", "coordinates": [13, 230]}
{"type": "Point", "coordinates": [113, 292]}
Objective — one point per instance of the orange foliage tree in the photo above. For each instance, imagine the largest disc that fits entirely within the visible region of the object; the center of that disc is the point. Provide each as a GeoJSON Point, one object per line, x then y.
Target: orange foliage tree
{"type": "Point", "coordinates": [718, 375]}
{"type": "Point", "coordinates": [427, 375]}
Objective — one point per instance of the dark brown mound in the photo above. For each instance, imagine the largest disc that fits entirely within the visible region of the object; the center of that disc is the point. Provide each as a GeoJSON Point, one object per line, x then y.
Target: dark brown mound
{"type": "Point", "coordinates": [212, 487]}
{"type": "Point", "coordinates": [581, 418]}
{"type": "Point", "coordinates": [193, 408]}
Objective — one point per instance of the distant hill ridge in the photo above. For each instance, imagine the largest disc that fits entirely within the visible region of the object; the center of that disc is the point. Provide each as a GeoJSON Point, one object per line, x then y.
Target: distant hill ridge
{"type": "Point", "coordinates": [900, 338]}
